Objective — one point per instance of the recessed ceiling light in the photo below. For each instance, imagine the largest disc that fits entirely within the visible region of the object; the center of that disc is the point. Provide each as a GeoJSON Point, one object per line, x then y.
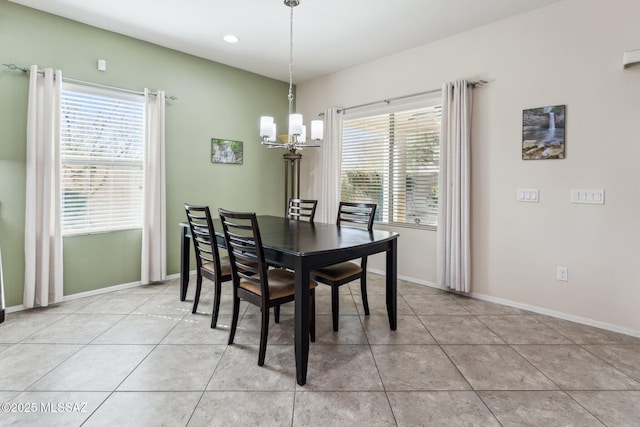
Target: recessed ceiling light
{"type": "Point", "coordinates": [230, 38]}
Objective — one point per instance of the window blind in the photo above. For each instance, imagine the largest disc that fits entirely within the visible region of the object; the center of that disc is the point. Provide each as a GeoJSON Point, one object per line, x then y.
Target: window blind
{"type": "Point", "coordinates": [391, 158]}
{"type": "Point", "coordinates": [102, 160]}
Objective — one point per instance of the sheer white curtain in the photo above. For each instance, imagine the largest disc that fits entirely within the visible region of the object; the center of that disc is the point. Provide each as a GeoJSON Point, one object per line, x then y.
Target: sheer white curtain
{"type": "Point", "coordinates": [154, 224]}
{"type": "Point", "coordinates": [454, 247]}
{"type": "Point", "coordinates": [43, 282]}
{"type": "Point", "coordinates": [331, 161]}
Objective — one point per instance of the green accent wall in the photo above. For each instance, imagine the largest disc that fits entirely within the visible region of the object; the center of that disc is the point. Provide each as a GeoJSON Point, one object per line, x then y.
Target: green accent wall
{"type": "Point", "coordinates": [215, 101]}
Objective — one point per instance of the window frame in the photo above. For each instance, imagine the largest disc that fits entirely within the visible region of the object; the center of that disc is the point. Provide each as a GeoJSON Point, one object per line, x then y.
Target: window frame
{"type": "Point", "coordinates": [139, 163]}
{"type": "Point", "coordinates": [430, 100]}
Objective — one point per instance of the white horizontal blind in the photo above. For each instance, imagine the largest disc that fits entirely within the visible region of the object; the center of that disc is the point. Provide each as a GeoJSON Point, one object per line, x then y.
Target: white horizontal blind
{"type": "Point", "coordinates": [392, 159]}
{"type": "Point", "coordinates": [102, 159]}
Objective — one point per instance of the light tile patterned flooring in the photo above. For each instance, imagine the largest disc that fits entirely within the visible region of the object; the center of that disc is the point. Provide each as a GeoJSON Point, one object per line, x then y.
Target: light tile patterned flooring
{"type": "Point", "coordinates": [138, 357]}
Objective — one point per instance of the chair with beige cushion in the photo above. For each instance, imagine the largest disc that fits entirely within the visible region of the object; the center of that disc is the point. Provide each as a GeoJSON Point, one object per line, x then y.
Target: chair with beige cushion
{"type": "Point", "coordinates": [208, 260]}
{"type": "Point", "coordinates": [357, 215]}
{"type": "Point", "coordinates": [253, 281]}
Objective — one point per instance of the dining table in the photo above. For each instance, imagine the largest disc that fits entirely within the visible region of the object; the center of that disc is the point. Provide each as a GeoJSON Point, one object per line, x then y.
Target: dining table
{"type": "Point", "coordinates": [302, 247]}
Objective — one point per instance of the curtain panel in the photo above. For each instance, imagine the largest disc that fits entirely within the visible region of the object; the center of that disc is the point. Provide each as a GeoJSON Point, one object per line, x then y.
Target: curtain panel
{"type": "Point", "coordinates": [154, 224]}
{"type": "Point", "coordinates": [43, 281]}
{"type": "Point", "coordinates": [454, 246]}
{"type": "Point", "coordinates": [331, 166]}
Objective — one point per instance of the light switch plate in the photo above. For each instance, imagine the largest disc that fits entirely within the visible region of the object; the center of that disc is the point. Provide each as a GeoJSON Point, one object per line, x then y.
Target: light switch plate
{"type": "Point", "coordinates": [588, 197]}
{"type": "Point", "coordinates": [528, 195]}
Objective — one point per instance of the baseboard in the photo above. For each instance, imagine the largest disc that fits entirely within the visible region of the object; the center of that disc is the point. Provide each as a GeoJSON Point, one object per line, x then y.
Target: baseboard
{"type": "Point", "coordinates": [533, 308]}
{"type": "Point", "coordinates": [101, 291]}
{"type": "Point", "coordinates": [95, 292]}
{"type": "Point", "coordinates": [15, 308]}
{"type": "Point", "coordinates": [557, 314]}
{"type": "Point", "coordinates": [409, 279]}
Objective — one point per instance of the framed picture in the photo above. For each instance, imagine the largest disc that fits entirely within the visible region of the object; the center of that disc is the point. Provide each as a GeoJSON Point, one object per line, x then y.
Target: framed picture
{"type": "Point", "coordinates": [226, 151]}
{"type": "Point", "coordinates": [543, 133]}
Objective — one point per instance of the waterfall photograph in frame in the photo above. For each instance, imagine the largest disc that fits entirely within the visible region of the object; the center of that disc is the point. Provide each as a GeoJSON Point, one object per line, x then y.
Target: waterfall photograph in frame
{"type": "Point", "coordinates": [226, 151]}
{"type": "Point", "coordinates": [543, 133]}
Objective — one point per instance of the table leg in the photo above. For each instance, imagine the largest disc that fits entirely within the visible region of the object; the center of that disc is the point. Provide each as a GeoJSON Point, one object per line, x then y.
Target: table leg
{"type": "Point", "coordinates": [392, 287]}
{"type": "Point", "coordinates": [302, 323]}
{"type": "Point", "coordinates": [185, 250]}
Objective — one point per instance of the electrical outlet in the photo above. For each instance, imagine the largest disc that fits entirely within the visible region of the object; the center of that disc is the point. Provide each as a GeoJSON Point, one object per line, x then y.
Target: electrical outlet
{"type": "Point", "coordinates": [562, 274]}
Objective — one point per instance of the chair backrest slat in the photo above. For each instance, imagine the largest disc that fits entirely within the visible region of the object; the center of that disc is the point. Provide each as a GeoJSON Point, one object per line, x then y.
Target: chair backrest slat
{"type": "Point", "coordinates": [302, 209]}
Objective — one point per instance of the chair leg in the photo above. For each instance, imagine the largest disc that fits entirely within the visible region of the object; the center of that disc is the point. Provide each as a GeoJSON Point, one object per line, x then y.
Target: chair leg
{"type": "Point", "coordinates": [276, 313]}
{"type": "Point", "coordinates": [196, 298]}
{"type": "Point", "coordinates": [264, 332]}
{"type": "Point", "coordinates": [312, 314]}
{"type": "Point", "coordinates": [335, 305]}
{"type": "Point", "coordinates": [234, 317]}
{"type": "Point", "coordinates": [363, 291]}
{"type": "Point", "coordinates": [216, 301]}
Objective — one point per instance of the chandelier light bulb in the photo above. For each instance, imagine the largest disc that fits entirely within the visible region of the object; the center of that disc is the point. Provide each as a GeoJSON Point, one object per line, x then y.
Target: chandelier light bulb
{"type": "Point", "coordinates": [316, 130]}
{"type": "Point", "coordinates": [302, 138]}
{"type": "Point", "coordinates": [266, 126]}
{"type": "Point", "coordinates": [272, 137]}
{"type": "Point", "coordinates": [295, 124]}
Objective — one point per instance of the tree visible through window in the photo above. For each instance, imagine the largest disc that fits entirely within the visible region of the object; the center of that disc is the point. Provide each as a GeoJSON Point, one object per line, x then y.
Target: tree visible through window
{"type": "Point", "coordinates": [391, 158]}
{"type": "Point", "coordinates": [102, 160]}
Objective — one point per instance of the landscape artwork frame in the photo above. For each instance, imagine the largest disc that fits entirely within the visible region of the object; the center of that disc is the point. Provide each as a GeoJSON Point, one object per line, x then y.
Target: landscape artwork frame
{"type": "Point", "coordinates": [227, 151]}
{"type": "Point", "coordinates": [543, 133]}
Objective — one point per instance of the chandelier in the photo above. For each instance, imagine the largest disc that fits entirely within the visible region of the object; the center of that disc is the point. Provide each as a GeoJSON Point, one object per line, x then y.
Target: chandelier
{"type": "Point", "coordinates": [296, 139]}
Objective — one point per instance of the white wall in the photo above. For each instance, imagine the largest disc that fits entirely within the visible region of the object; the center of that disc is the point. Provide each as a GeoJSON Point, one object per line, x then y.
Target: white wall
{"type": "Point", "coordinates": [567, 53]}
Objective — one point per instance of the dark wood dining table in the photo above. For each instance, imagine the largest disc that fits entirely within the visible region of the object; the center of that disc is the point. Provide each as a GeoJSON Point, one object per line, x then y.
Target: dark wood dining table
{"type": "Point", "coordinates": [302, 247]}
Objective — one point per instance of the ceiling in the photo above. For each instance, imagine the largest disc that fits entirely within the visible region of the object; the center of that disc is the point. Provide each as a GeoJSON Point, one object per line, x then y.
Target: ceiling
{"type": "Point", "coordinates": [329, 35]}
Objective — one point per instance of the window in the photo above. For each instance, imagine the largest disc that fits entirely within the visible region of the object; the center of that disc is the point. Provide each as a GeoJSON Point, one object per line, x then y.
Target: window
{"type": "Point", "coordinates": [102, 160]}
{"type": "Point", "coordinates": [390, 157]}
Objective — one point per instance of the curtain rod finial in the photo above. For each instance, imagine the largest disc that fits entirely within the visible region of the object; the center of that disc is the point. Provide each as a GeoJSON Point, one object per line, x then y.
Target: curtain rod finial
{"type": "Point", "coordinates": [15, 67]}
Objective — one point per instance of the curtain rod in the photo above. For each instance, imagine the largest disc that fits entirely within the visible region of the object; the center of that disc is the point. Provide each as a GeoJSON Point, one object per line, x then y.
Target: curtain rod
{"type": "Point", "coordinates": [86, 83]}
{"type": "Point", "coordinates": [413, 95]}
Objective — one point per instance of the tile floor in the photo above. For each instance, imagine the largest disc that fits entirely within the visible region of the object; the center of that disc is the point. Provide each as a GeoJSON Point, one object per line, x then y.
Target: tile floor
{"type": "Point", "coordinates": [138, 357]}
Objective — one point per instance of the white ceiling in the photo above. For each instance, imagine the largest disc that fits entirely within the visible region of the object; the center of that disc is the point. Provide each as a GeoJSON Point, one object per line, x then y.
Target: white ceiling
{"type": "Point", "coordinates": [329, 35]}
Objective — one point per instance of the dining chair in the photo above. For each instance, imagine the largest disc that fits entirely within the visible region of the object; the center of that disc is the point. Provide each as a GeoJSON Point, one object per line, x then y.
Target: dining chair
{"type": "Point", "coordinates": [208, 260]}
{"type": "Point", "coordinates": [253, 281]}
{"type": "Point", "coordinates": [302, 209]}
{"type": "Point", "coordinates": [336, 275]}
{"type": "Point", "coordinates": [299, 210]}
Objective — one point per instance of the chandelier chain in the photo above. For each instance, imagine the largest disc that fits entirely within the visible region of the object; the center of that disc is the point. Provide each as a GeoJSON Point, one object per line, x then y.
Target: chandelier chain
{"type": "Point", "coordinates": [290, 97]}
